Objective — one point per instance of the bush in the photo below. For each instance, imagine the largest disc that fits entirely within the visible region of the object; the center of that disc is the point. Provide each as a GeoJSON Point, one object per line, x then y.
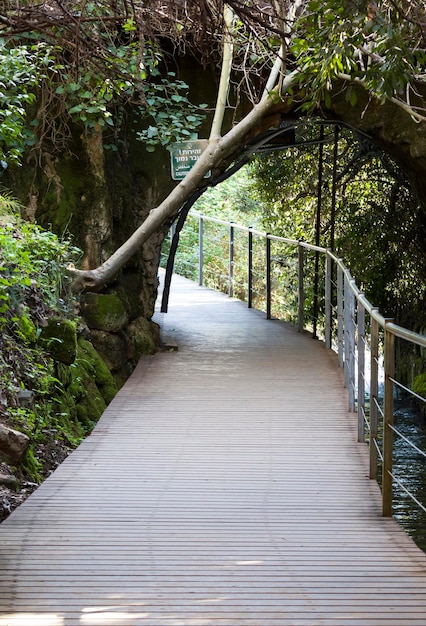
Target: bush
{"type": "Point", "coordinates": [34, 288]}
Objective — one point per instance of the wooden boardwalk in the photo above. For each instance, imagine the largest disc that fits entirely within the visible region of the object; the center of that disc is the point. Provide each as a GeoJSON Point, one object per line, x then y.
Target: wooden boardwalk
{"type": "Point", "coordinates": [223, 486]}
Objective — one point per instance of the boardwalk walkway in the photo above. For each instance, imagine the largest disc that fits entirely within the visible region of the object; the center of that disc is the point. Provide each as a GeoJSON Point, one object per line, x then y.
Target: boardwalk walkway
{"type": "Point", "coordinates": [223, 486]}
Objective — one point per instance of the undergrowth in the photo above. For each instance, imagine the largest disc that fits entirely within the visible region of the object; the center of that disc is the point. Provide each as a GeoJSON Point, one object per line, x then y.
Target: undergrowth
{"type": "Point", "coordinates": [34, 286]}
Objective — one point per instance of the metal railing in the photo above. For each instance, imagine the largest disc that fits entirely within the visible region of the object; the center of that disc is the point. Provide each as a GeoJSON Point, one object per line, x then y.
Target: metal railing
{"type": "Point", "coordinates": [323, 298]}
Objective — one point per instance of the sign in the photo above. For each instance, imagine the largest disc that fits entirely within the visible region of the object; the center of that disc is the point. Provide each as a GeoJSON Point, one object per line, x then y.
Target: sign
{"type": "Point", "coordinates": [184, 155]}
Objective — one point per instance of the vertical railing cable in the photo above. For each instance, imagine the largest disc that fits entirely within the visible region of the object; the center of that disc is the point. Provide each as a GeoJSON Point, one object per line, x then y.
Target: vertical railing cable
{"type": "Point", "coordinates": [349, 316]}
{"type": "Point", "coordinates": [374, 394]}
{"type": "Point", "coordinates": [389, 366]}
{"type": "Point", "coordinates": [231, 261]}
{"type": "Point", "coordinates": [268, 277]}
{"type": "Point", "coordinates": [318, 231]}
{"type": "Point", "coordinates": [201, 250]}
{"type": "Point", "coordinates": [361, 372]}
{"type": "Point", "coordinates": [301, 290]}
{"type": "Point", "coordinates": [340, 317]}
{"type": "Point", "coordinates": [328, 300]}
{"type": "Point", "coordinates": [250, 269]}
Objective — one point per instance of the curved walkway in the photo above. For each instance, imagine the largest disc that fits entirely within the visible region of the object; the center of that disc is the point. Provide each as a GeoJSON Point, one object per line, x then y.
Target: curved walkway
{"type": "Point", "coordinates": [223, 486]}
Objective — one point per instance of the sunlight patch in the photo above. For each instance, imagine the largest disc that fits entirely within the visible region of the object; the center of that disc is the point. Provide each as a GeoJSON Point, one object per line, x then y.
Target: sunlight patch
{"type": "Point", "coordinates": [107, 618]}
{"type": "Point", "coordinates": [32, 619]}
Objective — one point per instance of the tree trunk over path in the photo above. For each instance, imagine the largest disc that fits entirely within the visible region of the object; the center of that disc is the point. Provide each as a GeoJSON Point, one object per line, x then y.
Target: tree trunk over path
{"type": "Point", "coordinates": [219, 150]}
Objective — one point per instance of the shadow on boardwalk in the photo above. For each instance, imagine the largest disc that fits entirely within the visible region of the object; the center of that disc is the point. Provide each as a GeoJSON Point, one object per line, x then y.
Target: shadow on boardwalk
{"type": "Point", "coordinates": [223, 486]}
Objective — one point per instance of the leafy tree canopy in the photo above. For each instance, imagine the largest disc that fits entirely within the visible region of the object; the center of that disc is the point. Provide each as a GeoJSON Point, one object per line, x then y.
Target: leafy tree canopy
{"type": "Point", "coordinates": [91, 56]}
{"type": "Point", "coordinates": [376, 224]}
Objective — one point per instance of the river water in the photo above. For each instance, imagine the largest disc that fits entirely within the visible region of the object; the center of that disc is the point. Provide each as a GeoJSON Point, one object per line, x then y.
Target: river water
{"type": "Point", "coordinates": [410, 468]}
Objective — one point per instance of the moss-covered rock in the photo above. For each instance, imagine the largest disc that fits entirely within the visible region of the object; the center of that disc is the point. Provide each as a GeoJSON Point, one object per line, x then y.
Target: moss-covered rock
{"type": "Point", "coordinates": [59, 338]}
{"type": "Point", "coordinates": [114, 348]}
{"type": "Point", "coordinates": [144, 336]}
{"type": "Point", "coordinates": [103, 311]}
{"type": "Point", "coordinates": [88, 387]}
{"type": "Point", "coordinates": [102, 375]}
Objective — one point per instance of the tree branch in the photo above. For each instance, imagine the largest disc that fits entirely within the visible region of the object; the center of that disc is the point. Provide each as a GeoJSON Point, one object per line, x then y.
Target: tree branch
{"type": "Point", "coordinates": [417, 117]}
{"type": "Point", "coordinates": [225, 76]}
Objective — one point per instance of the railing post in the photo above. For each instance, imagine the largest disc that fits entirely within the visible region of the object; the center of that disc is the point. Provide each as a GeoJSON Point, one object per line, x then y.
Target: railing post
{"type": "Point", "coordinates": [250, 269]}
{"type": "Point", "coordinates": [361, 372]}
{"type": "Point", "coordinates": [268, 277]}
{"type": "Point", "coordinates": [301, 289]}
{"type": "Point", "coordinates": [328, 296]}
{"type": "Point", "coordinates": [340, 317]}
{"type": "Point", "coordinates": [200, 250]}
{"type": "Point", "coordinates": [349, 308]}
{"type": "Point", "coordinates": [374, 394]}
{"type": "Point", "coordinates": [231, 260]}
{"type": "Point", "coordinates": [389, 366]}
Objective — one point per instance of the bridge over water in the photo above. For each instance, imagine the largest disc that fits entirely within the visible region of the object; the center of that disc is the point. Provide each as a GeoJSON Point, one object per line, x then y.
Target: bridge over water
{"type": "Point", "coordinates": [223, 486]}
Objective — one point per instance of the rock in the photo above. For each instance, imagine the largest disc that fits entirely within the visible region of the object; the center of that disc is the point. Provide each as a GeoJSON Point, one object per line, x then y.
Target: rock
{"type": "Point", "coordinates": [114, 348]}
{"type": "Point", "coordinates": [8, 480]}
{"type": "Point", "coordinates": [102, 375]}
{"type": "Point", "coordinates": [103, 312]}
{"type": "Point", "coordinates": [144, 336]}
{"type": "Point", "coordinates": [26, 398]}
{"type": "Point", "coordinates": [59, 337]}
{"type": "Point", "coordinates": [13, 444]}
{"type": "Point", "coordinates": [88, 387]}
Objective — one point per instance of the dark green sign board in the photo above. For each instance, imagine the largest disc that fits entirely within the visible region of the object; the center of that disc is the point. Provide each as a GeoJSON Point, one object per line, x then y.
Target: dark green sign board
{"type": "Point", "coordinates": [184, 155]}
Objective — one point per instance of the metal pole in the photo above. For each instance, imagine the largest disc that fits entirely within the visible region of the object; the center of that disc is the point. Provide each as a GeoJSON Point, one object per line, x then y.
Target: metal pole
{"type": "Point", "coordinates": [301, 290]}
{"type": "Point", "coordinates": [374, 395]}
{"type": "Point", "coordinates": [352, 331]}
{"type": "Point", "coordinates": [334, 187]}
{"type": "Point", "coordinates": [318, 231]}
{"type": "Point", "coordinates": [268, 277]}
{"type": "Point", "coordinates": [328, 296]}
{"type": "Point", "coordinates": [250, 269]}
{"type": "Point", "coordinates": [231, 260]}
{"type": "Point", "coordinates": [346, 314]}
{"type": "Point", "coordinates": [350, 342]}
{"type": "Point", "coordinates": [340, 317]}
{"type": "Point", "coordinates": [389, 360]}
{"type": "Point", "coordinates": [361, 372]}
{"type": "Point", "coordinates": [174, 245]}
{"type": "Point", "coordinates": [201, 250]}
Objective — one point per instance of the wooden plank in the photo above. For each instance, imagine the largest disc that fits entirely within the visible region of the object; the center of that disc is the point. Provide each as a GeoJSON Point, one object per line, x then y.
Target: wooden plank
{"type": "Point", "coordinates": [224, 485]}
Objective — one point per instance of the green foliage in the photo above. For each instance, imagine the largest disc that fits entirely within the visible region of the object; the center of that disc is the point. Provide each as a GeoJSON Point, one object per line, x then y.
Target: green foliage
{"type": "Point", "coordinates": [379, 225]}
{"type": "Point", "coordinates": [33, 287]}
{"type": "Point", "coordinates": [237, 200]}
{"type": "Point", "coordinates": [419, 385]}
{"type": "Point", "coordinates": [32, 270]}
{"type": "Point", "coordinates": [173, 117]}
{"type": "Point", "coordinates": [378, 47]}
{"type": "Point", "coordinates": [91, 100]}
{"type": "Point", "coordinates": [86, 96]}
{"type": "Point", "coordinates": [18, 76]}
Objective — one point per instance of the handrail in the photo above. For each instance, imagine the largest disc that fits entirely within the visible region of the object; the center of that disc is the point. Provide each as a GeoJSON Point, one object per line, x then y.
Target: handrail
{"type": "Point", "coordinates": [351, 324]}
